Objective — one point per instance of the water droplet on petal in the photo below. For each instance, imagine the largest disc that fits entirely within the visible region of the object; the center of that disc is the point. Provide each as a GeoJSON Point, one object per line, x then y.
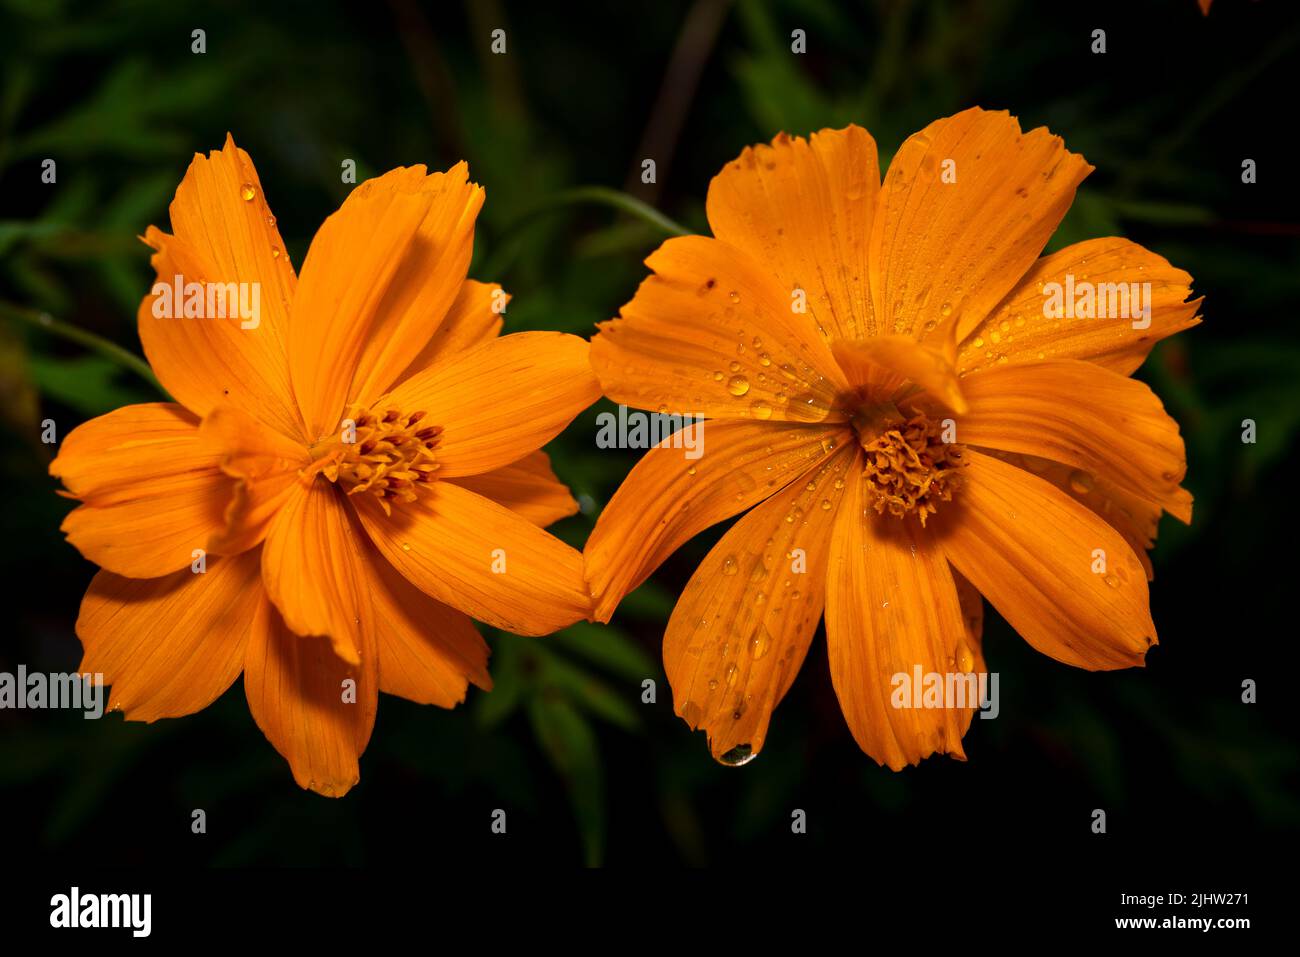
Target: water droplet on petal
{"type": "Point", "coordinates": [740, 754]}
{"type": "Point", "coordinates": [247, 192]}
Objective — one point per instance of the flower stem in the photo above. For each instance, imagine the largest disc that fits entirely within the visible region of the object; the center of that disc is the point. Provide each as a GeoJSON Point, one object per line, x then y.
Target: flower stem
{"type": "Point", "coordinates": [605, 196]}
{"type": "Point", "coordinates": [504, 256]}
{"type": "Point", "coordinates": [64, 330]}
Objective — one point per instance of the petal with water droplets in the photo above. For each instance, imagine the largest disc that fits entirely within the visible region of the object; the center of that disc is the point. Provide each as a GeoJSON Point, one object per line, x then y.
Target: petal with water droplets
{"type": "Point", "coordinates": [742, 627]}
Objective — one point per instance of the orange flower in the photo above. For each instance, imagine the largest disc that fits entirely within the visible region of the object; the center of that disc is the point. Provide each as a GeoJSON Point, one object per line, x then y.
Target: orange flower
{"type": "Point", "coordinates": [360, 460]}
{"type": "Point", "coordinates": [910, 429]}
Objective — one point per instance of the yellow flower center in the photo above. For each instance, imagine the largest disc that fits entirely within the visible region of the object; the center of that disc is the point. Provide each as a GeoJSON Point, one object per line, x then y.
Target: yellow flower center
{"type": "Point", "coordinates": [908, 467]}
{"type": "Point", "coordinates": [388, 454]}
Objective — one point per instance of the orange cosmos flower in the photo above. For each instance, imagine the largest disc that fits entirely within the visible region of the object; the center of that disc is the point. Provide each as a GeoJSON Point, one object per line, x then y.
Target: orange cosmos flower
{"type": "Point", "coordinates": [884, 389]}
{"type": "Point", "coordinates": [356, 468]}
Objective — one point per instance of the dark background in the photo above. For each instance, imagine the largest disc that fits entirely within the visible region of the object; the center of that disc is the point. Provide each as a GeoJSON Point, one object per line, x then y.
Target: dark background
{"type": "Point", "coordinates": [586, 772]}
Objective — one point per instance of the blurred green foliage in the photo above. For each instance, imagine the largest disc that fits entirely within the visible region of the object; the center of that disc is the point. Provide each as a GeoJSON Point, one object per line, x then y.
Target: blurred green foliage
{"type": "Point", "coordinates": [113, 92]}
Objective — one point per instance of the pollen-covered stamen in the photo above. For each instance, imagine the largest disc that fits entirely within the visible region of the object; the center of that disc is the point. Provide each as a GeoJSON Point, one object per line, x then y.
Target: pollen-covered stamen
{"type": "Point", "coordinates": [388, 454]}
{"type": "Point", "coordinates": [908, 467]}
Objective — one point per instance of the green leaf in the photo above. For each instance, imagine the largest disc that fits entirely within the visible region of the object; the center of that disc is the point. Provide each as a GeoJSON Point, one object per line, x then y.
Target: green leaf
{"type": "Point", "coordinates": [490, 710]}
{"type": "Point", "coordinates": [650, 600]}
{"type": "Point", "coordinates": [14, 231]}
{"type": "Point", "coordinates": [89, 384]}
{"type": "Point", "coordinates": [570, 744]}
{"type": "Point", "coordinates": [590, 692]}
{"type": "Point", "coordinates": [609, 648]}
{"type": "Point", "coordinates": [21, 406]}
{"type": "Point", "coordinates": [1164, 214]}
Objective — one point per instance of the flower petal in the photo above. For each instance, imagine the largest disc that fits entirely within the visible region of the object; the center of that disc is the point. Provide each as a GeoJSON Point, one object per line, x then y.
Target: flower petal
{"type": "Point", "coordinates": [102, 458]}
{"type": "Point", "coordinates": [428, 652]}
{"type": "Point", "coordinates": [972, 612]}
{"type": "Point", "coordinates": [480, 557]}
{"type": "Point", "coordinates": [502, 400]}
{"type": "Point", "coordinates": [880, 364]}
{"type": "Point", "coordinates": [965, 209]}
{"type": "Point", "coordinates": [713, 333]}
{"type": "Point", "coordinates": [667, 498]}
{"type": "Point", "coordinates": [472, 320]}
{"type": "Point", "coordinates": [356, 261]}
{"type": "Point", "coordinates": [1030, 549]}
{"type": "Point", "coordinates": [431, 276]}
{"type": "Point", "coordinates": [316, 709]}
{"type": "Point", "coordinates": [264, 465]}
{"type": "Point", "coordinates": [1018, 330]}
{"type": "Point", "coordinates": [224, 233]}
{"type": "Point", "coordinates": [528, 487]}
{"type": "Point", "coordinates": [312, 566]}
{"type": "Point", "coordinates": [169, 646]}
{"type": "Point", "coordinates": [892, 610]}
{"type": "Point", "coordinates": [742, 627]}
{"type": "Point", "coordinates": [152, 492]}
{"type": "Point", "coordinates": [804, 207]}
{"type": "Point", "coordinates": [1135, 518]}
{"type": "Point", "coordinates": [1121, 431]}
